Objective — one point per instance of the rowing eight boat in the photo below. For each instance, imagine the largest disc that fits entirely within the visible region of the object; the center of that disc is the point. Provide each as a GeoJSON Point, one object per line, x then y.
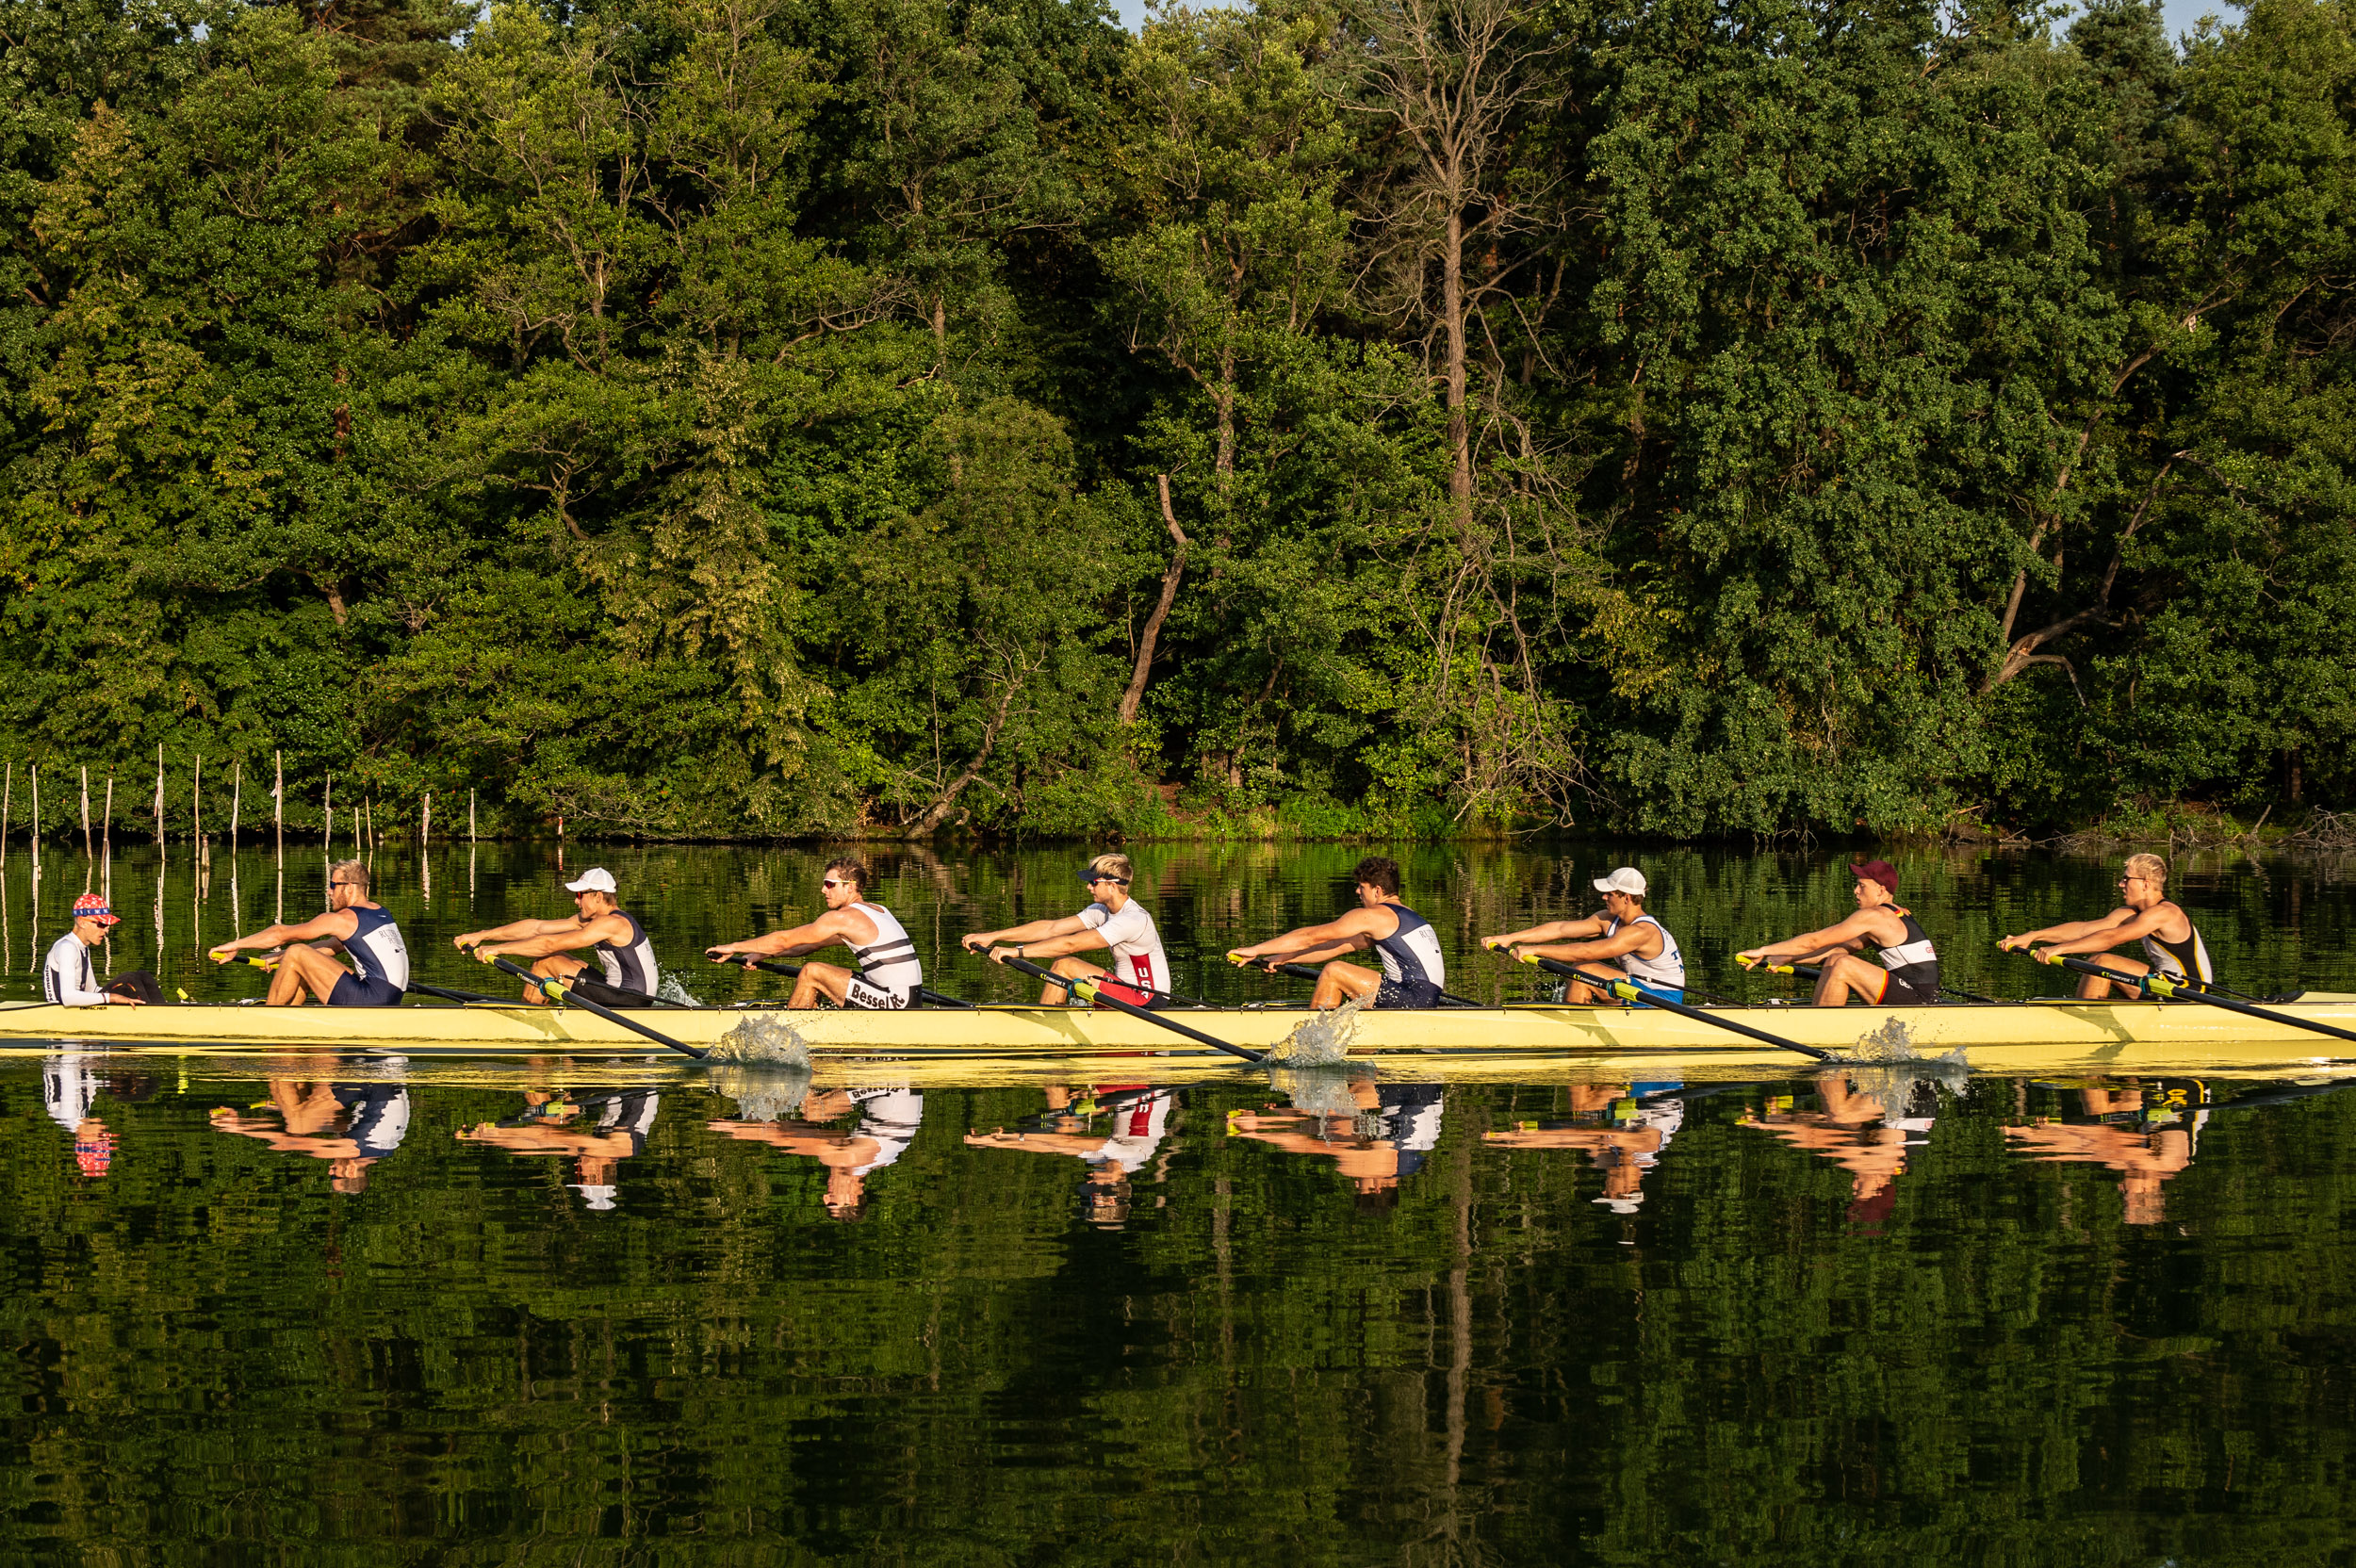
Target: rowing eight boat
{"type": "Point", "coordinates": [2030, 1035]}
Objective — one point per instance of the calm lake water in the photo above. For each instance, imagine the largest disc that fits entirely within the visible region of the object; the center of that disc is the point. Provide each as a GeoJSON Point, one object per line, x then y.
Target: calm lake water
{"type": "Point", "coordinates": [639, 1312]}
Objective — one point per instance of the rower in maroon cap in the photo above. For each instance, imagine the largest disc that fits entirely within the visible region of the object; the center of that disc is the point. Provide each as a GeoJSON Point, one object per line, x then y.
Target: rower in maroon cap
{"type": "Point", "coordinates": [1908, 974]}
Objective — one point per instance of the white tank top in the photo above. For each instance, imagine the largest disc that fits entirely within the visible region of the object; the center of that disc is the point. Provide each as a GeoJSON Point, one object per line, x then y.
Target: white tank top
{"type": "Point", "coordinates": [1137, 955]}
{"type": "Point", "coordinates": [1667, 972]}
{"type": "Point", "coordinates": [888, 963]}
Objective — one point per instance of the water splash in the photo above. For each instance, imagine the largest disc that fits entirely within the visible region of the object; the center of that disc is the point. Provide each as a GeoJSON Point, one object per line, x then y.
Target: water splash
{"type": "Point", "coordinates": [1320, 1039]}
{"type": "Point", "coordinates": [1887, 1065]}
{"type": "Point", "coordinates": [763, 1039]}
{"type": "Point", "coordinates": [763, 1093]}
{"type": "Point", "coordinates": [1316, 1090]}
{"type": "Point", "coordinates": [671, 991]}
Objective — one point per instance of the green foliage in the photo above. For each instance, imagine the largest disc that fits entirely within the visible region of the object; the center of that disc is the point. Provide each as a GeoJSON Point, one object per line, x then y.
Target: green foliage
{"type": "Point", "coordinates": [719, 416]}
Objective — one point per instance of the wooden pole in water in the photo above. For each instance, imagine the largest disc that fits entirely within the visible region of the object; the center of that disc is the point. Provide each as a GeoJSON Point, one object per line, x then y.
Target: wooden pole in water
{"type": "Point", "coordinates": [86, 853]}
{"type": "Point", "coordinates": [278, 797]}
{"type": "Point", "coordinates": [159, 791]}
{"type": "Point", "coordinates": [196, 800]}
{"type": "Point", "coordinates": [329, 805]}
{"type": "Point", "coordinates": [107, 834]}
{"type": "Point", "coordinates": [237, 798]}
{"type": "Point", "coordinates": [425, 823]}
{"type": "Point", "coordinates": [8, 799]}
{"type": "Point", "coordinates": [36, 824]}
{"type": "Point", "coordinates": [470, 816]}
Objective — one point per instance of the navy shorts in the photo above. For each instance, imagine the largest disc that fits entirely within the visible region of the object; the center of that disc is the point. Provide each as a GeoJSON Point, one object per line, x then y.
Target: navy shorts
{"type": "Point", "coordinates": [1396, 993]}
{"type": "Point", "coordinates": [353, 991]}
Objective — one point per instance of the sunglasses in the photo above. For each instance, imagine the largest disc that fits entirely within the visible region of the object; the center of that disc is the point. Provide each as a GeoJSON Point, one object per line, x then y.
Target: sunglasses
{"type": "Point", "coordinates": [836, 882]}
{"type": "Point", "coordinates": [1089, 879]}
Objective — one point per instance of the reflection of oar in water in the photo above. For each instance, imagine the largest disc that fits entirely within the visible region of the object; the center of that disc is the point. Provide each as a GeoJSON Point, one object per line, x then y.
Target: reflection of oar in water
{"type": "Point", "coordinates": [1811, 971]}
{"type": "Point", "coordinates": [1089, 990]}
{"type": "Point", "coordinates": [925, 994]}
{"type": "Point", "coordinates": [1622, 988]}
{"type": "Point", "coordinates": [1309, 971]}
{"type": "Point", "coordinates": [563, 992]}
{"type": "Point", "coordinates": [2185, 991]}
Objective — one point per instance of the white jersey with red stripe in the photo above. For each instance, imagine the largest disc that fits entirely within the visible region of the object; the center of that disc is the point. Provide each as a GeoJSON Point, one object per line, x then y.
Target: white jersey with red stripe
{"type": "Point", "coordinates": [1137, 955]}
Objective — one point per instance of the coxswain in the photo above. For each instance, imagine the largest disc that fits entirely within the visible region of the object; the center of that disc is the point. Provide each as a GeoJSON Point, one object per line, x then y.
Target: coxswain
{"type": "Point", "coordinates": [68, 979]}
{"type": "Point", "coordinates": [888, 973]}
{"type": "Point", "coordinates": [1621, 934]}
{"type": "Point", "coordinates": [1402, 940]}
{"type": "Point", "coordinates": [2171, 944]}
{"type": "Point", "coordinates": [1907, 975]}
{"type": "Point", "coordinates": [628, 976]}
{"type": "Point", "coordinates": [1113, 920]}
{"type": "Point", "coordinates": [354, 925]}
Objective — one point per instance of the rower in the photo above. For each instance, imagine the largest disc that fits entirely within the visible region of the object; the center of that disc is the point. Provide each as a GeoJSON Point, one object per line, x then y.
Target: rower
{"type": "Point", "coordinates": [1622, 933]}
{"type": "Point", "coordinates": [2171, 944]}
{"type": "Point", "coordinates": [599, 925]}
{"type": "Point", "coordinates": [1412, 967]}
{"type": "Point", "coordinates": [1114, 920]}
{"type": "Point", "coordinates": [354, 926]}
{"type": "Point", "coordinates": [1909, 973]}
{"type": "Point", "coordinates": [67, 977]}
{"type": "Point", "coordinates": [888, 973]}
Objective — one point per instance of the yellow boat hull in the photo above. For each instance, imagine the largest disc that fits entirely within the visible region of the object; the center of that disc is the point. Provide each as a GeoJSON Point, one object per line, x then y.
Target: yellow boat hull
{"type": "Point", "coordinates": [2039, 1037]}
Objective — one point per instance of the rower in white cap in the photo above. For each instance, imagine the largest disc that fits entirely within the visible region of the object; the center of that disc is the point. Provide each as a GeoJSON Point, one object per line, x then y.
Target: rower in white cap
{"type": "Point", "coordinates": [630, 975]}
{"type": "Point", "coordinates": [1620, 933]}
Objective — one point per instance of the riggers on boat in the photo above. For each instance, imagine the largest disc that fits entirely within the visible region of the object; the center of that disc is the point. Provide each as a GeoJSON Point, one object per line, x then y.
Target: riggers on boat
{"type": "Point", "coordinates": [2019, 1036]}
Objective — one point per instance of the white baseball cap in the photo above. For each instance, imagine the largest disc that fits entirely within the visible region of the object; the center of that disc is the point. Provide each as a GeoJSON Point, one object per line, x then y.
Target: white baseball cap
{"type": "Point", "coordinates": [596, 879]}
{"type": "Point", "coordinates": [1628, 879]}
{"type": "Point", "coordinates": [598, 1195]}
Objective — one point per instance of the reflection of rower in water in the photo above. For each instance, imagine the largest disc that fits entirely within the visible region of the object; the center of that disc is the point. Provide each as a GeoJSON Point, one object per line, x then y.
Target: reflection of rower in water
{"type": "Point", "coordinates": [1845, 1133]}
{"type": "Point", "coordinates": [70, 1086]}
{"type": "Point", "coordinates": [1140, 1120]}
{"type": "Point", "coordinates": [350, 1126]}
{"type": "Point", "coordinates": [2172, 946]}
{"type": "Point", "coordinates": [889, 974]}
{"type": "Point", "coordinates": [1414, 970]}
{"type": "Point", "coordinates": [2146, 1134]}
{"type": "Point", "coordinates": [1383, 1144]}
{"type": "Point", "coordinates": [889, 1118]}
{"type": "Point", "coordinates": [1621, 934]}
{"type": "Point", "coordinates": [1624, 1130]}
{"type": "Point", "coordinates": [597, 1128]}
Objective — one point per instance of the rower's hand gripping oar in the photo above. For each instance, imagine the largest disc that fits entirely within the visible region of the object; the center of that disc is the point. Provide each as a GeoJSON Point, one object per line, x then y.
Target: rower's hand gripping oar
{"type": "Point", "coordinates": [1089, 991]}
{"type": "Point", "coordinates": [925, 994]}
{"type": "Point", "coordinates": [1621, 989]}
{"type": "Point", "coordinates": [563, 992]}
{"type": "Point", "coordinates": [2171, 989]}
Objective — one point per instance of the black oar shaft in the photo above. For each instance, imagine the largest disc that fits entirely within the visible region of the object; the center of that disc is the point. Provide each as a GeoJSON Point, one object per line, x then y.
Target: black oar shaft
{"type": "Point", "coordinates": [2173, 989]}
{"type": "Point", "coordinates": [925, 994]}
{"type": "Point", "coordinates": [448, 995]}
{"type": "Point", "coordinates": [1090, 991]}
{"type": "Point", "coordinates": [1627, 990]}
{"type": "Point", "coordinates": [1310, 972]}
{"type": "Point", "coordinates": [1813, 972]}
{"type": "Point", "coordinates": [563, 991]}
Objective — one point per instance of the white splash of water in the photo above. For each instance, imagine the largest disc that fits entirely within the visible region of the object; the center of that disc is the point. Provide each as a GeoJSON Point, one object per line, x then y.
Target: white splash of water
{"type": "Point", "coordinates": [765, 1093]}
{"type": "Point", "coordinates": [1887, 1065]}
{"type": "Point", "coordinates": [1320, 1039]}
{"type": "Point", "coordinates": [764, 1038]}
{"type": "Point", "coordinates": [1319, 1090]}
{"type": "Point", "coordinates": [671, 991]}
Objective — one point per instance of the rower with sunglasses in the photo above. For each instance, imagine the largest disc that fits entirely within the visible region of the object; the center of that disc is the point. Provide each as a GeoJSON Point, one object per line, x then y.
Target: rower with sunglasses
{"type": "Point", "coordinates": [1113, 920]}
{"type": "Point", "coordinates": [889, 974]}
{"type": "Point", "coordinates": [354, 926]}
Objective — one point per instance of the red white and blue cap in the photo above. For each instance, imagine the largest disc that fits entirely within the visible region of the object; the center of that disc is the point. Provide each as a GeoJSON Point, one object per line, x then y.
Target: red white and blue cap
{"type": "Point", "coordinates": [93, 906]}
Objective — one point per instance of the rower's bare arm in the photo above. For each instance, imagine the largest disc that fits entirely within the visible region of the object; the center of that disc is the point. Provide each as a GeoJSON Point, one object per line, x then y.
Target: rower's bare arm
{"type": "Point", "coordinates": [1324, 954]}
{"type": "Point", "coordinates": [1549, 931]}
{"type": "Point", "coordinates": [2140, 924]}
{"type": "Point", "coordinates": [1627, 940]}
{"type": "Point", "coordinates": [835, 928]}
{"type": "Point", "coordinates": [514, 931]}
{"type": "Point", "coordinates": [2070, 930]}
{"type": "Point", "coordinates": [1086, 939]}
{"type": "Point", "coordinates": [1352, 933]}
{"type": "Point", "coordinates": [559, 936]}
{"type": "Point", "coordinates": [333, 926]}
{"type": "Point", "coordinates": [1030, 931]}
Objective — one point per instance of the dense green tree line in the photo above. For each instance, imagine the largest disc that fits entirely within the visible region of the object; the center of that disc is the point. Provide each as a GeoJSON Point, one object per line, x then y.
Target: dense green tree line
{"type": "Point", "coordinates": [781, 416]}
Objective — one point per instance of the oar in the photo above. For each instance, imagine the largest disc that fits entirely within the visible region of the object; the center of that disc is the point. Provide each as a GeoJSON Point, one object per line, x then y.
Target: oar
{"type": "Point", "coordinates": [1625, 990]}
{"type": "Point", "coordinates": [563, 992]}
{"type": "Point", "coordinates": [2185, 991]}
{"type": "Point", "coordinates": [1089, 990]}
{"type": "Point", "coordinates": [1812, 971]}
{"type": "Point", "coordinates": [1307, 972]}
{"type": "Point", "coordinates": [925, 994]}
{"type": "Point", "coordinates": [454, 996]}
{"type": "Point", "coordinates": [1513, 950]}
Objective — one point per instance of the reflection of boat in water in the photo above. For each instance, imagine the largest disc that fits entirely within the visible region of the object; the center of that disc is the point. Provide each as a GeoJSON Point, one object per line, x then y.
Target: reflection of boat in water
{"type": "Point", "coordinates": [2011, 1037]}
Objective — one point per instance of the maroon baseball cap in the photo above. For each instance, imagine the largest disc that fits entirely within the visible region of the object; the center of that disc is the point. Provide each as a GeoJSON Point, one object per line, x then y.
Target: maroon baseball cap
{"type": "Point", "coordinates": [93, 906]}
{"type": "Point", "coordinates": [1876, 871]}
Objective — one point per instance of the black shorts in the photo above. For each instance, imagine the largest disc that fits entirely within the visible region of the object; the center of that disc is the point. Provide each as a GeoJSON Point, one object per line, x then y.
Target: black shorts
{"type": "Point", "coordinates": [140, 983]}
{"type": "Point", "coordinates": [353, 991]}
{"type": "Point", "coordinates": [605, 995]}
{"type": "Point", "coordinates": [1902, 992]}
{"type": "Point", "coordinates": [1392, 994]}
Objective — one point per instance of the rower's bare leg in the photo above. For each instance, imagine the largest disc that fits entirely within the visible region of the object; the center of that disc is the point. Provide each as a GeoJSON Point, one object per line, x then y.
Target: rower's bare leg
{"type": "Point", "coordinates": [1582, 994]}
{"type": "Point", "coordinates": [1848, 976]}
{"type": "Point", "coordinates": [303, 974]}
{"type": "Point", "coordinates": [1338, 982]}
{"type": "Point", "coordinates": [1071, 969]}
{"type": "Point", "coordinates": [2093, 988]}
{"type": "Point", "coordinates": [831, 981]}
{"type": "Point", "coordinates": [554, 967]}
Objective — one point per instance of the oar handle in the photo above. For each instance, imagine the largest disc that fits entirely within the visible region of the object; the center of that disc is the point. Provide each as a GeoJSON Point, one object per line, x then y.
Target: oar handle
{"type": "Point", "coordinates": [549, 986]}
{"type": "Point", "coordinates": [1089, 991]}
{"type": "Point", "coordinates": [1625, 990]}
{"type": "Point", "coordinates": [930, 997]}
